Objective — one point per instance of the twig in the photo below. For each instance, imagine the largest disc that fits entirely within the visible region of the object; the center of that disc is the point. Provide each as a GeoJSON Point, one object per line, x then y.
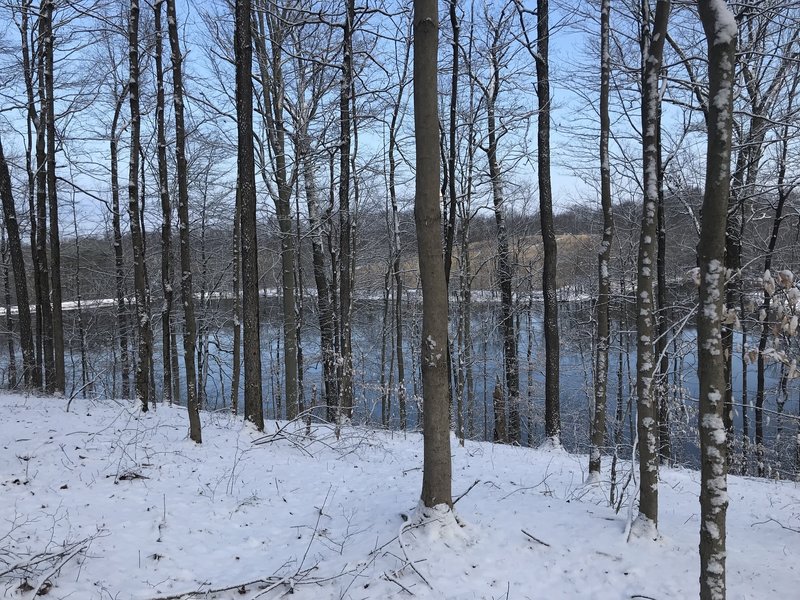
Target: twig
{"type": "Point", "coordinates": [474, 483]}
{"type": "Point", "coordinates": [776, 522]}
{"type": "Point", "coordinates": [535, 539]}
{"type": "Point", "coordinates": [68, 557]}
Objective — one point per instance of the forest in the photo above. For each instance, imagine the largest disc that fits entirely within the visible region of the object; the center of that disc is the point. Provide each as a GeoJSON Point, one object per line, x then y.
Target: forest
{"type": "Point", "coordinates": [501, 240]}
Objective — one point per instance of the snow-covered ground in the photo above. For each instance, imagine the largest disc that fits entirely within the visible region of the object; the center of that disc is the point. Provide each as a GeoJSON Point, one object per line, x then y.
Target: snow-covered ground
{"type": "Point", "coordinates": [104, 502]}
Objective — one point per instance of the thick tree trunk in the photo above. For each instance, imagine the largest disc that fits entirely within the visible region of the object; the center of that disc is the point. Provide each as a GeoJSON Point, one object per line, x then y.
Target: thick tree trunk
{"type": "Point", "coordinates": [253, 409]}
{"type": "Point", "coordinates": [646, 523]}
{"type": "Point", "coordinates": [436, 477]}
{"type": "Point", "coordinates": [187, 295]}
{"type": "Point", "coordinates": [549, 281]}
{"type": "Point", "coordinates": [720, 29]}
{"type": "Point", "coordinates": [604, 281]}
{"type": "Point", "coordinates": [20, 278]}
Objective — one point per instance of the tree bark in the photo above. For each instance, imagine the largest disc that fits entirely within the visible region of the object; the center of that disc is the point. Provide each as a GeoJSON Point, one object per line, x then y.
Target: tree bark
{"type": "Point", "coordinates": [549, 281]}
{"type": "Point", "coordinates": [119, 263]}
{"type": "Point", "coordinates": [43, 269]}
{"type": "Point", "coordinates": [20, 278]}
{"type": "Point", "coordinates": [436, 477]}
{"type": "Point", "coordinates": [647, 412]}
{"type": "Point", "coordinates": [187, 295]}
{"type": "Point", "coordinates": [46, 31]}
{"type": "Point", "coordinates": [271, 69]}
{"type": "Point", "coordinates": [346, 218]}
{"type": "Point", "coordinates": [720, 28]}
{"type": "Point", "coordinates": [166, 211]}
{"type": "Point", "coordinates": [253, 408]}
{"type": "Point", "coordinates": [143, 359]}
{"type": "Point", "coordinates": [598, 441]}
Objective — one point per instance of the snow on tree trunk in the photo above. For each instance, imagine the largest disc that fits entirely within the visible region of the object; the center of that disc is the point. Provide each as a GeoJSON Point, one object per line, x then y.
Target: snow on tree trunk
{"type": "Point", "coordinates": [647, 412]}
{"type": "Point", "coordinates": [604, 255]}
{"type": "Point", "coordinates": [187, 296]}
{"type": "Point", "coordinates": [721, 31]}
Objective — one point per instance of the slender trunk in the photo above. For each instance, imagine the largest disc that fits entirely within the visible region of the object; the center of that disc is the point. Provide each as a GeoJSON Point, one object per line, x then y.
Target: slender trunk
{"type": "Point", "coordinates": [143, 358]}
{"type": "Point", "coordinates": [12, 357]}
{"type": "Point", "coordinates": [236, 366]}
{"type": "Point", "coordinates": [119, 263]}
{"type": "Point", "coordinates": [270, 66]}
{"type": "Point", "coordinates": [187, 296]}
{"type": "Point", "coordinates": [20, 278]}
{"type": "Point", "coordinates": [720, 29]}
{"type": "Point", "coordinates": [166, 212]}
{"type": "Point", "coordinates": [326, 317]}
{"type": "Point", "coordinates": [345, 217]}
{"type": "Point", "coordinates": [33, 373]}
{"type": "Point", "coordinates": [436, 478]}
{"type": "Point", "coordinates": [647, 412]}
{"type": "Point", "coordinates": [43, 272]}
{"type": "Point", "coordinates": [86, 386]}
{"type": "Point", "coordinates": [46, 32]}
{"type": "Point", "coordinates": [604, 255]}
{"type": "Point", "coordinates": [452, 147]}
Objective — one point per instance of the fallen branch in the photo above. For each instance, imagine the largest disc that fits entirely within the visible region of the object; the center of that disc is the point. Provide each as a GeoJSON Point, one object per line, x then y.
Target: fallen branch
{"type": "Point", "coordinates": [474, 483]}
{"type": "Point", "coordinates": [535, 539]}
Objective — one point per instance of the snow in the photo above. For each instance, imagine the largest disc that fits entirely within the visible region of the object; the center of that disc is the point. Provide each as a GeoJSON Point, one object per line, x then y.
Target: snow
{"type": "Point", "coordinates": [725, 29]}
{"type": "Point", "coordinates": [142, 512]}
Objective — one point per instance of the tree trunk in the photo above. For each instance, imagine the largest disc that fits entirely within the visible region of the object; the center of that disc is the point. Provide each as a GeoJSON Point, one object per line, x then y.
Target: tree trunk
{"type": "Point", "coordinates": [345, 218]}
{"type": "Point", "coordinates": [12, 356]}
{"type": "Point", "coordinates": [43, 270]}
{"type": "Point", "coordinates": [436, 477]}
{"type": "Point", "coordinates": [271, 69]}
{"type": "Point", "coordinates": [646, 523]}
{"type": "Point", "coordinates": [20, 278]}
{"type": "Point", "coordinates": [253, 409]}
{"type": "Point", "coordinates": [604, 256]}
{"type": "Point", "coordinates": [549, 282]}
{"type": "Point", "coordinates": [720, 29]}
{"type": "Point", "coordinates": [119, 264]}
{"type": "Point", "coordinates": [236, 366]}
{"type": "Point", "coordinates": [35, 373]}
{"type": "Point", "coordinates": [166, 212]}
{"type": "Point", "coordinates": [143, 359]}
{"type": "Point", "coordinates": [46, 29]}
{"type": "Point", "coordinates": [187, 296]}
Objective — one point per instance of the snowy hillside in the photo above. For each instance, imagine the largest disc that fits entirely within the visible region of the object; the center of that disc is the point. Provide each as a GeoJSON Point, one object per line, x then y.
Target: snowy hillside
{"type": "Point", "coordinates": [104, 502]}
